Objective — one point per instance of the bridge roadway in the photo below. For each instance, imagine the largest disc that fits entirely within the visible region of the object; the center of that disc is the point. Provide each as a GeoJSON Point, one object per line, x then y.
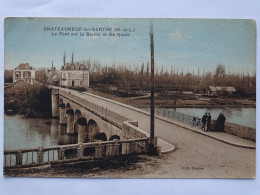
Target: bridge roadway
{"type": "Point", "coordinates": [200, 154]}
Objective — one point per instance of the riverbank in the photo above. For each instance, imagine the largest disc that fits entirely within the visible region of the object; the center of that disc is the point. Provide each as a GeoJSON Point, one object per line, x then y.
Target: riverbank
{"type": "Point", "coordinates": [180, 101]}
{"type": "Point", "coordinates": [30, 101]}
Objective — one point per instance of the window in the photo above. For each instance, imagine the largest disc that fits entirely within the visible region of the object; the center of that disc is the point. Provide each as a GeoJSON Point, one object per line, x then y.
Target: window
{"type": "Point", "coordinates": [81, 68]}
{"type": "Point", "coordinates": [26, 75]}
{"type": "Point", "coordinates": [17, 74]}
{"type": "Point", "coordinates": [72, 67]}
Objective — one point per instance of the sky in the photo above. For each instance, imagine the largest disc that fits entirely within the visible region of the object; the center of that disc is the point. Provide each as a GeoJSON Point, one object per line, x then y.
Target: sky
{"type": "Point", "coordinates": [183, 44]}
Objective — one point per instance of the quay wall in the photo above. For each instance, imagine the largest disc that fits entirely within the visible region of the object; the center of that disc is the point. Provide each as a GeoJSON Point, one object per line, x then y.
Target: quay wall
{"type": "Point", "coordinates": [237, 130]}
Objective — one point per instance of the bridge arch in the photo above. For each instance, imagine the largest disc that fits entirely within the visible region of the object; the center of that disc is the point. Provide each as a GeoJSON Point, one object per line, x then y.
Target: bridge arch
{"type": "Point", "coordinates": [92, 130]}
{"type": "Point", "coordinates": [114, 137]}
{"type": "Point", "coordinates": [100, 136]}
{"type": "Point", "coordinates": [68, 105]}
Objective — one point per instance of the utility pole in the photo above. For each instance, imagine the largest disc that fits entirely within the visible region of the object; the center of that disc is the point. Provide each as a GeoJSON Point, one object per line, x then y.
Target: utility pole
{"type": "Point", "coordinates": [51, 72]}
{"type": "Point", "coordinates": [64, 59]}
{"type": "Point", "coordinates": [152, 141]}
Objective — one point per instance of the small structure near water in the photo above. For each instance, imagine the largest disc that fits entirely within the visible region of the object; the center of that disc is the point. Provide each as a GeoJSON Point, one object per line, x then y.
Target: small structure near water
{"type": "Point", "coordinates": [220, 91]}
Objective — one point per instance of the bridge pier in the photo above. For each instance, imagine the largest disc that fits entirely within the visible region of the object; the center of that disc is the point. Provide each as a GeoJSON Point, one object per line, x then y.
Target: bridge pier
{"type": "Point", "coordinates": [55, 103]}
{"type": "Point", "coordinates": [70, 121]}
{"type": "Point", "coordinates": [82, 129]}
{"type": "Point", "coordinates": [62, 119]}
{"type": "Point", "coordinates": [76, 117]}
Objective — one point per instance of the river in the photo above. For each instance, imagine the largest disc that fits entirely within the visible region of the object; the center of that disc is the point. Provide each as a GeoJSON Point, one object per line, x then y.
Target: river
{"type": "Point", "coordinates": [242, 116]}
{"type": "Point", "coordinates": [34, 132]}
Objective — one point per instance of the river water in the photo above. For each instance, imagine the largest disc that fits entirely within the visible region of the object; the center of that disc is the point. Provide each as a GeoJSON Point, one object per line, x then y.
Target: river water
{"type": "Point", "coordinates": [32, 132]}
{"type": "Point", "coordinates": [242, 116]}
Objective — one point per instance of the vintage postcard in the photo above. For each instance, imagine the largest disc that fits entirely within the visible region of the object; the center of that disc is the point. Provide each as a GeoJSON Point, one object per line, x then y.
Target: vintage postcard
{"type": "Point", "coordinates": [130, 98]}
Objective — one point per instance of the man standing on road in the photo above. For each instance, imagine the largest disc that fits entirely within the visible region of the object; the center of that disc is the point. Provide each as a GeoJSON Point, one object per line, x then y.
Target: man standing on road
{"type": "Point", "coordinates": [204, 120]}
{"type": "Point", "coordinates": [208, 123]}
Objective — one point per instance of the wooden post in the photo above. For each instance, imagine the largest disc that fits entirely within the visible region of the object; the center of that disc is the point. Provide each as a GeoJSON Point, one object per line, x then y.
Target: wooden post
{"type": "Point", "coordinates": [116, 148]}
{"type": "Point", "coordinates": [80, 150]}
{"type": "Point", "coordinates": [40, 154]}
{"type": "Point", "coordinates": [61, 154]}
{"type": "Point", "coordinates": [19, 158]}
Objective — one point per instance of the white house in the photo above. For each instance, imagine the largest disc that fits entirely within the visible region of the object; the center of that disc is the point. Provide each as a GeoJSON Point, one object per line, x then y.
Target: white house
{"type": "Point", "coordinates": [24, 72]}
{"type": "Point", "coordinates": [74, 75]}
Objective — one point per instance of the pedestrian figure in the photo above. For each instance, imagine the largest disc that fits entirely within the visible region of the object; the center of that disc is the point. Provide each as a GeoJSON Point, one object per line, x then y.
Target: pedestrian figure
{"type": "Point", "coordinates": [220, 123]}
{"type": "Point", "coordinates": [198, 123]}
{"type": "Point", "coordinates": [209, 121]}
{"type": "Point", "coordinates": [204, 121]}
{"type": "Point", "coordinates": [193, 122]}
{"type": "Point", "coordinates": [175, 101]}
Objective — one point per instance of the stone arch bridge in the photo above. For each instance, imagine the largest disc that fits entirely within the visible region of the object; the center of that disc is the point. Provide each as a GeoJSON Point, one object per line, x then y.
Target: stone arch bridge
{"type": "Point", "coordinates": [90, 121]}
{"type": "Point", "coordinates": [101, 133]}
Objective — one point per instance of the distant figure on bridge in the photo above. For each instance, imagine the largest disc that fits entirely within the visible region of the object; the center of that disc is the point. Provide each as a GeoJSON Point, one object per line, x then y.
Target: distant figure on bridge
{"type": "Point", "coordinates": [208, 122]}
{"type": "Point", "coordinates": [175, 102]}
{"type": "Point", "coordinates": [204, 121]}
{"type": "Point", "coordinates": [220, 123]}
{"type": "Point", "coordinates": [193, 122]}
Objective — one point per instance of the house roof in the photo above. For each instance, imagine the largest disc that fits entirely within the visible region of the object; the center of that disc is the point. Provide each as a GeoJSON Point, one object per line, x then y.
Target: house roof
{"type": "Point", "coordinates": [74, 66]}
{"type": "Point", "coordinates": [218, 88]}
{"type": "Point", "coordinates": [24, 66]}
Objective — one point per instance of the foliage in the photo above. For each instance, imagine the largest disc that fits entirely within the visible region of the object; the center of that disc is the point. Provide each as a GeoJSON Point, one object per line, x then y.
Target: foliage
{"type": "Point", "coordinates": [123, 78]}
{"type": "Point", "coordinates": [33, 100]}
{"type": "Point", "coordinates": [8, 76]}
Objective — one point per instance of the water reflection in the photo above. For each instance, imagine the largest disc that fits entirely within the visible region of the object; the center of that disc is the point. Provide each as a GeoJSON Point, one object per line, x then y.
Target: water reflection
{"type": "Point", "coordinates": [242, 116]}
{"type": "Point", "coordinates": [29, 133]}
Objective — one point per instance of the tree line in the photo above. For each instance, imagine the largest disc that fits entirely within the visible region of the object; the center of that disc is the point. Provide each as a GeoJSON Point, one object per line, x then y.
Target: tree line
{"type": "Point", "coordinates": [128, 78]}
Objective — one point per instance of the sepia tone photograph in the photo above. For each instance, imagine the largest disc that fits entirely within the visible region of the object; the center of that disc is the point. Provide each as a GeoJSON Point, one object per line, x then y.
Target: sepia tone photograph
{"type": "Point", "coordinates": [129, 98]}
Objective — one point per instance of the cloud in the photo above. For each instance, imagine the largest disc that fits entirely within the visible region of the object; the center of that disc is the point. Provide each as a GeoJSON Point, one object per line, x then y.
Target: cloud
{"type": "Point", "coordinates": [179, 37]}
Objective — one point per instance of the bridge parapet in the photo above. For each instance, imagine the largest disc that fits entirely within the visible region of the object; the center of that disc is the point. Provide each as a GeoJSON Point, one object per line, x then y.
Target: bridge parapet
{"type": "Point", "coordinates": [101, 112]}
{"type": "Point", "coordinates": [61, 154]}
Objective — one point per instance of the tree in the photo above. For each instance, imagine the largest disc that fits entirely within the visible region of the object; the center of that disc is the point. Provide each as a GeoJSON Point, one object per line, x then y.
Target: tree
{"type": "Point", "coordinates": [219, 75]}
{"type": "Point", "coordinates": [142, 68]}
{"type": "Point", "coordinates": [220, 70]}
{"type": "Point", "coordinates": [147, 68]}
{"type": "Point", "coordinates": [8, 76]}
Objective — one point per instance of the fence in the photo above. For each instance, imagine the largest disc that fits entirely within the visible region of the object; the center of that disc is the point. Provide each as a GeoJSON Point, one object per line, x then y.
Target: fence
{"type": "Point", "coordinates": [185, 118]}
{"type": "Point", "coordinates": [103, 113]}
{"type": "Point", "coordinates": [60, 154]}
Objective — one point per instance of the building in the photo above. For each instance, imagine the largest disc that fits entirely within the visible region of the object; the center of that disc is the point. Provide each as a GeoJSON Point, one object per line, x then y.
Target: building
{"type": "Point", "coordinates": [220, 91]}
{"type": "Point", "coordinates": [53, 76]}
{"type": "Point", "coordinates": [74, 75]}
{"type": "Point", "coordinates": [24, 72]}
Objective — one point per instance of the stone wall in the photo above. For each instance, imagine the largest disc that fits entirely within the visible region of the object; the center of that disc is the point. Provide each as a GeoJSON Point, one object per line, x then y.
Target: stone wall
{"type": "Point", "coordinates": [240, 131]}
{"type": "Point", "coordinates": [237, 130]}
{"type": "Point", "coordinates": [132, 131]}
